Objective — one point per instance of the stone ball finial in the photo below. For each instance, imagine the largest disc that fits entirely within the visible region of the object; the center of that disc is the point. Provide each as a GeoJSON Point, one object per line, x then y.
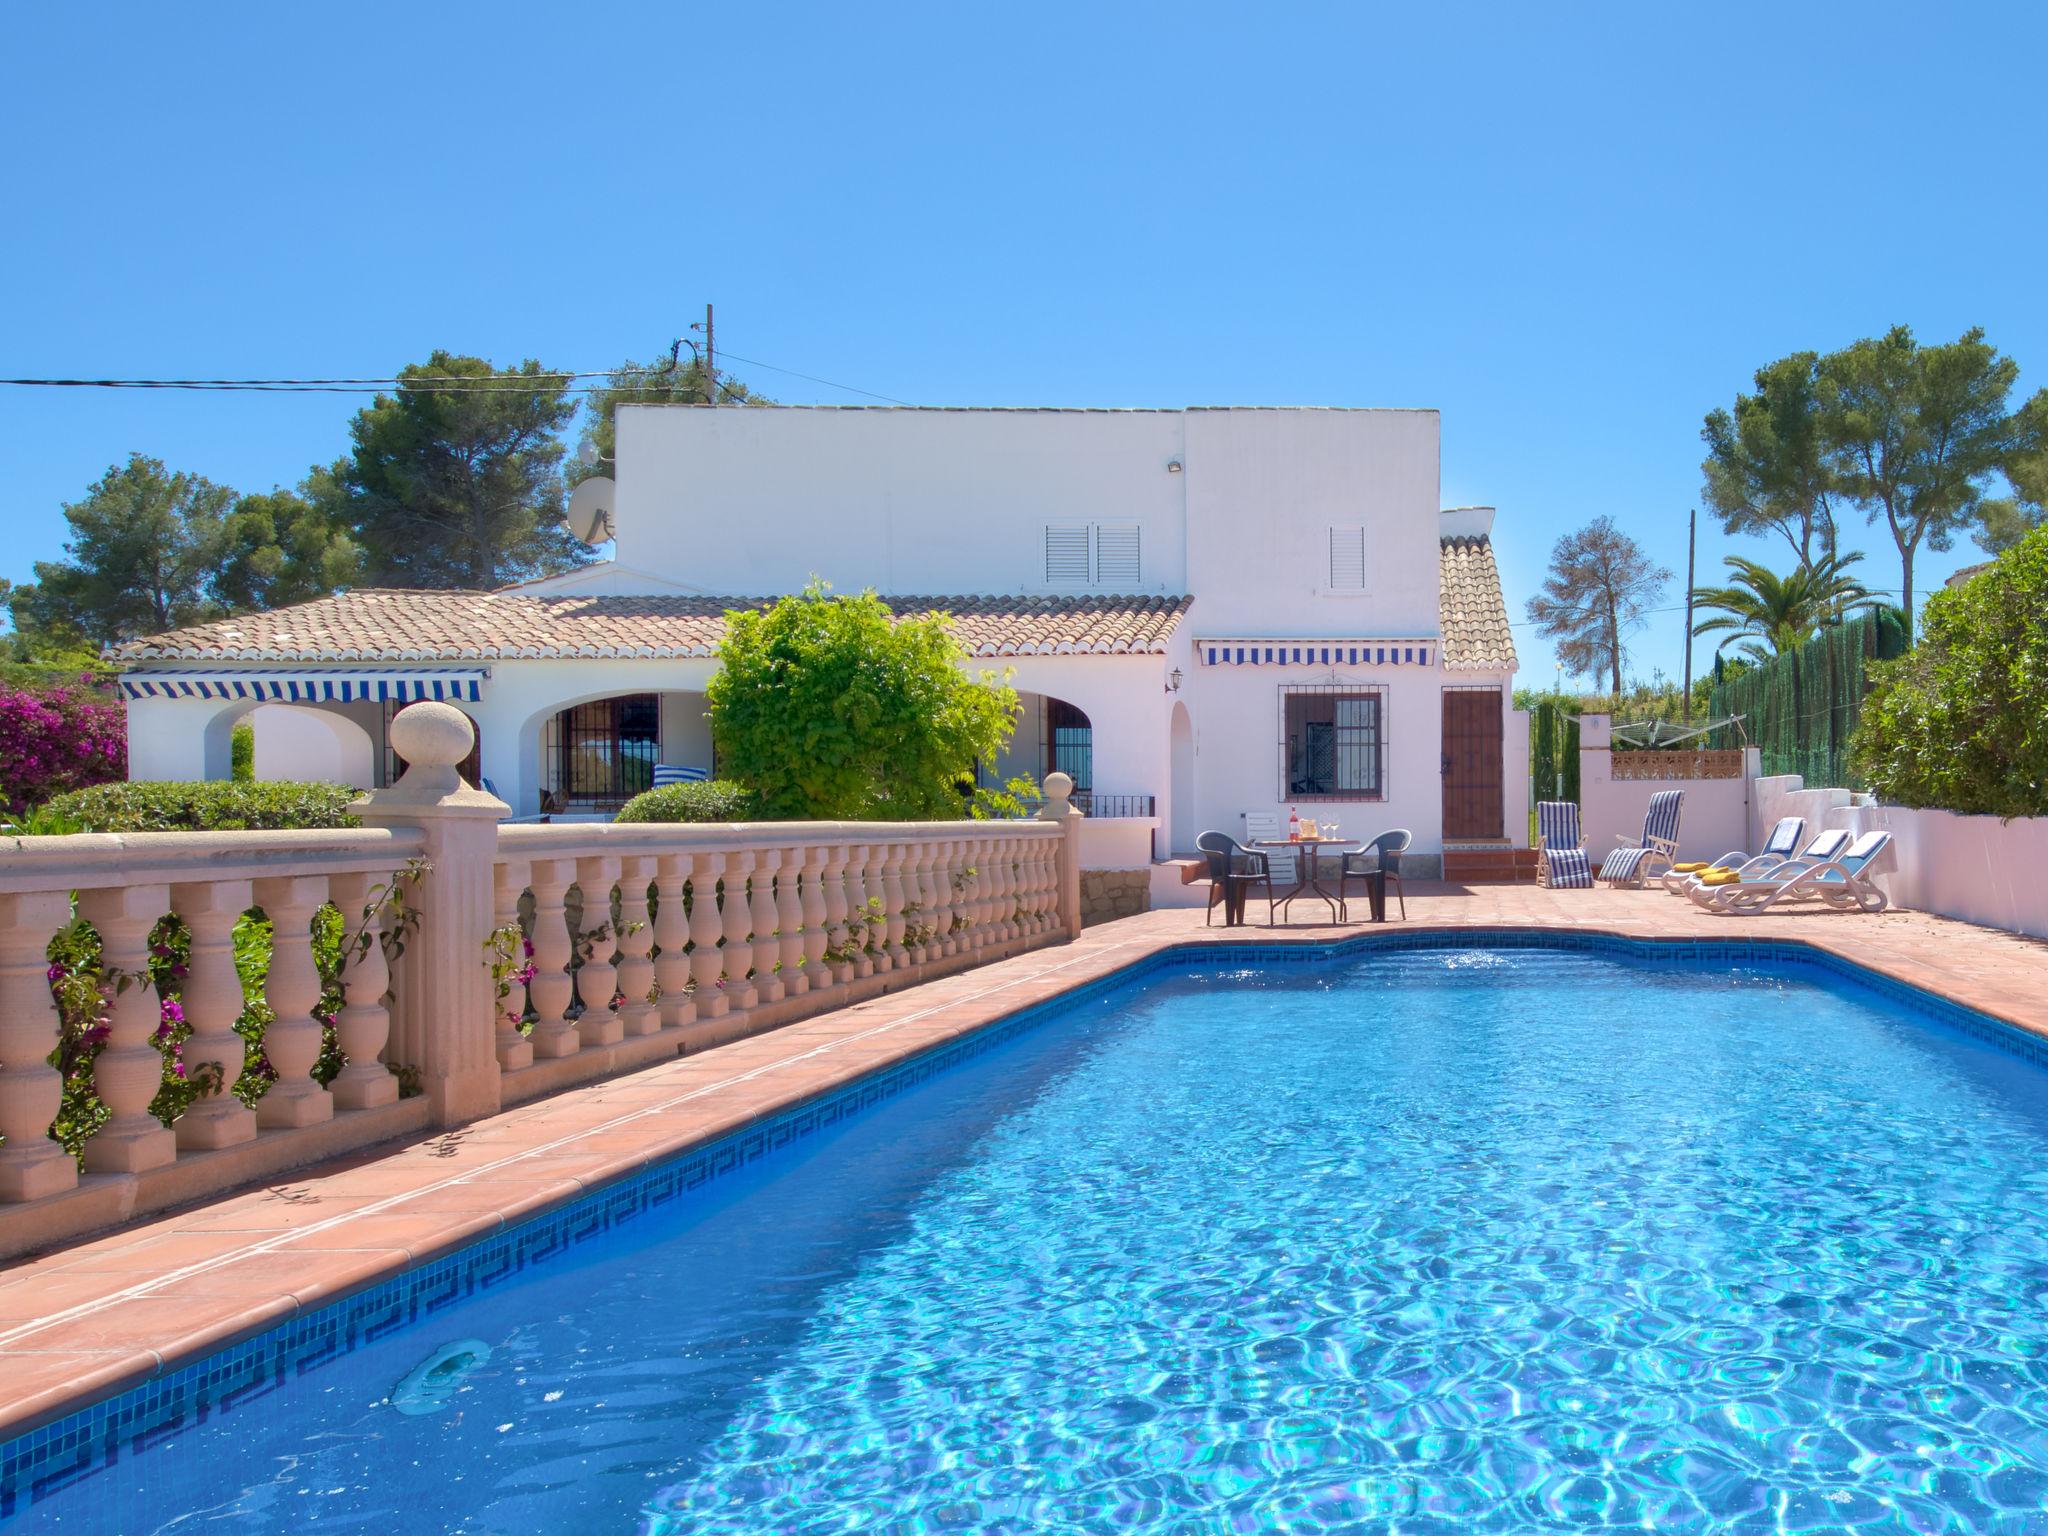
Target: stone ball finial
{"type": "Point", "coordinates": [1059, 786]}
{"type": "Point", "coordinates": [432, 735]}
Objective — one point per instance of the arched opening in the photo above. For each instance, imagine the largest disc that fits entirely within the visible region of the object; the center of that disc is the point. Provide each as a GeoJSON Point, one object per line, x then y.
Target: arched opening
{"type": "Point", "coordinates": [304, 743]}
{"type": "Point", "coordinates": [1052, 736]}
{"type": "Point", "coordinates": [593, 755]}
{"type": "Point", "coordinates": [1182, 833]}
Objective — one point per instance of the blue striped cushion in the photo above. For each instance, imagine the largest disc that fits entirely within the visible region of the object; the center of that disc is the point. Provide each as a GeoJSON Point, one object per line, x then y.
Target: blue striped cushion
{"type": "Point", "coordinates": [1557, 823]}
{"type": "Point", "coordinates": [1621, 865]}
{"type": "Point", "coordinates": [1661, 822]}
{"type": "Point", "coordinates": [1570, 869]}
{"type": "Point", "coordinates": [670, 773]}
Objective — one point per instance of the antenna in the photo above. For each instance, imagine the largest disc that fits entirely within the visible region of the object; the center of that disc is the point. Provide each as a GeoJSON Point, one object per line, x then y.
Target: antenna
{"type": "Point", "coordinates": [589, 516]}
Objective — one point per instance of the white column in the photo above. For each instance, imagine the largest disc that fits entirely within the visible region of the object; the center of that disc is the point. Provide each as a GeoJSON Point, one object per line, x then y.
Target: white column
{"type": "Point", "coordinates": [857, 893]}
{"type": "Point", "coordinates": [31, 1092]}
{"type": "Point", "coordinates": [834, 922]}
{"type": "Point", "coordinates": [551, 989]}
{"type": "Point", "coordinates": [293, 1038]}
{"type": "Point", "coordinates": [636, 941]}
{"type": "Point", "coordinates": [707, 961]}
{"type": "Point", "coordinates": [816, 862]}
{"type": "Point", "coordinates": [892, 903]}
{"type": "Point", "coordinates": [512, 1048]}
{"type": "Point", "coordinates": [363, 1024]}
{"type": "Point", "coordinates": [212, 999]}
{"type": "Point", "coordinates": [672, 968]}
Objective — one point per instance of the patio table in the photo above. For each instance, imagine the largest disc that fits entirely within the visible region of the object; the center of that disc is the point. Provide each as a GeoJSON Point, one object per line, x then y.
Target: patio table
{"type": "Point", "coordinates": [1310, 883]}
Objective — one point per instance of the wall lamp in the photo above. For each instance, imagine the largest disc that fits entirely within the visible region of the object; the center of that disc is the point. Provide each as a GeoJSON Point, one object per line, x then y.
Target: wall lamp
{"type": "Point", "coordinates": [1173, 466]}
{"type": "Point", "coordinates": [1173, 681]}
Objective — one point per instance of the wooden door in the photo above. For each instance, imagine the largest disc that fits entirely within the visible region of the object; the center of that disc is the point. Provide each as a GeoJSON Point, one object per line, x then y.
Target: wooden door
{"type": "Point", "coordinates": [1472, 765]}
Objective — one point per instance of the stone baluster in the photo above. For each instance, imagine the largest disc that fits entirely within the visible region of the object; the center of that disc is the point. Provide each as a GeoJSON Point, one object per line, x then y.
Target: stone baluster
{"type": "Point", "coordinates": [212, 1000]}
{"type": "Point", "coordinates": [976, 893]}
{"type": "Point", "coordinates": [768, 983]}
{"type": "Point", "coordinates": [554, 1033]}
{"type": "Point", "coordinates": [942, 897]}
{"type": "Point", "coordinates": [962, 898]}
{"type": "Point", "coordinates": [130, 1068]}
{"type": "Point", "coordinates": [915, 914]}
{"type": "Point", "coordinates": [1008, 884]}
{"type": "Point", "coordinates": [364, 1023]}
{"type": "Point", "coordinates": [707, 927]}
{"type": "Point", "coordinates": [815, 909]}
{"type": "Point", "coordinates": [1042, 881]}
{"type": "Point", "coordinates": [598, 979]}
{"type": "Point", "coordinates": [928, 893]}
{"type": "Point", "coordinates": [857, 930]}
{"type": "Point", "coordinates": [637, 1015]}
{"type": "Point", "coordinates": [998, 876]}
{"type": "Point", "coordinates": [741, 989]}
{"type": "Point", "coordinates": [514, 1050]}
{"type": "Point", "coordinates": [31, 1092]}
{"type": "Point", "coordinates": [672, 925]}
{"type": "Point", "coordinates": [789, 922]}
{"type": "Point", "coordinates": [293, 1038]}
{"type": "Point", "coordinates": [833, 882]}
{"type": "Point", "coordinates": [892, 904]}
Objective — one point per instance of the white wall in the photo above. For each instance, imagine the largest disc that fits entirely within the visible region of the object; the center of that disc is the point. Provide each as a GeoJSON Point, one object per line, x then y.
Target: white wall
{"type": "Point", "coordinates": [1120, 842]}
{"type": "Point", "coordinates": [182, 739]}
{"type": "Point", "coordinates": [1716, 818]}
{"type": "Point", "coordinates": [754, 501]}
{"type": "Point", "coordinates": [298, 743]}
{"type": "Point", "coordinates": [1977, 868]}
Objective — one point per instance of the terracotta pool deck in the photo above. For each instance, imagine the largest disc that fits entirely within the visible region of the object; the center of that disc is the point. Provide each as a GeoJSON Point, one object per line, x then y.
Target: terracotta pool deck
{"type": "Point", "coordinates": [97, 1317]}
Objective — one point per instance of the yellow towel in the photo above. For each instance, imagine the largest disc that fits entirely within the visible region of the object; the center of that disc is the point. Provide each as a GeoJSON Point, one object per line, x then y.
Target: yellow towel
{"type": "Point", "coordinates": [1687, 869]}
{"type": "Point", "coordinates": [1720, 877]}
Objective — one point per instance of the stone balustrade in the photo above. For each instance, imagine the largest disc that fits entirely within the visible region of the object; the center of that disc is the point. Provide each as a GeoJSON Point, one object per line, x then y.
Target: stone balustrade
{"type": "Point", "coordinates": [511, 962]}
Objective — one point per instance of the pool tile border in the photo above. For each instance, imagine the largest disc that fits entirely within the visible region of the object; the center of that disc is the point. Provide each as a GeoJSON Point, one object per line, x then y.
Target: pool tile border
{"type": "Point", "coordinates": [57, 1455]}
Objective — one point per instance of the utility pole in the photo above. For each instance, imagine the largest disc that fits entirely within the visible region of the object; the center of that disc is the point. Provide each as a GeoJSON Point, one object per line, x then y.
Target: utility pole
{"type": "Point", "coordinates": [710, 359]}
{"type": "Point", "coordinates": [1692, 520]}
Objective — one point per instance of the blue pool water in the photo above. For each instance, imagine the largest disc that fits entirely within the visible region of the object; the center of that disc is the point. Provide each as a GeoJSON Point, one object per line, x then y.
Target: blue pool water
{"type": "Point", "coordinates": [1438, 1241]}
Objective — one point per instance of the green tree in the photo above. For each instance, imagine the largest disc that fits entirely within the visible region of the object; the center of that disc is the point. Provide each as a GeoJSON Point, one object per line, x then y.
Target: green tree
{"type": "Point", "coordinates": [674, 380]}
{"type": "Point", "coordinates": [1766, 469]}
{"type": "Point", "coordinates": [828, 707]}
{"type": "Point", "coordinates": [140, 559]}
{"type": "Point", "coordinates": [2008, 519]}
{"type": "Point", "coordinates": [1599, 583]}
{"type": "Point", "coordinates": [1914, 434]}
{"type": "Point", "coordinates": [1960, 722]}
{"type": "Point", "coordinates": [1772, 614]}
{"type": "Point", "coordinates": [279, 548]}
{"type": "Point", "coordinates": [454, 478]}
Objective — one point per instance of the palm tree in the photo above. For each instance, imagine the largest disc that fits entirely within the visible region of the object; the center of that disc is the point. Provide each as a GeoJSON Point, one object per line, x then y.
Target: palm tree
{"type": "Point", "coordinates": [1772, 614]}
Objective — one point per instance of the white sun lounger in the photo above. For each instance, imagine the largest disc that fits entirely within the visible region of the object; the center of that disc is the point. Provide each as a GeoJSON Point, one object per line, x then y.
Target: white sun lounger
{"type": "Point", "coordinates": [1825, 846]}
{"type": "Point", "coordinates": [1843, 883]}
{"type": "Point", "coordinates": [1778, 847]}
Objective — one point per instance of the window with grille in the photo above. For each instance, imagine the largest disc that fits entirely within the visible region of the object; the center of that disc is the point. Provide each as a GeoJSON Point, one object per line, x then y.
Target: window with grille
{"type": "Point", "coordinates": [1093, 555]}
{"type": "Point", "coordinates": [1333, 743]}
{"type": "Point", "coordinates": [1347, 560]}
{"type": "Point", "coordinates": [1069, 743]}
{"type": "Point", "coordinates": [601, 754]}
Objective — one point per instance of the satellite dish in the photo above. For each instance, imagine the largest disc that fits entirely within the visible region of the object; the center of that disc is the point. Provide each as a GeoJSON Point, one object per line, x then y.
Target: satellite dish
{"type": "Point", "coordinates": [586, 454]}
{"type": "Point", "coordinates": [590, 509]}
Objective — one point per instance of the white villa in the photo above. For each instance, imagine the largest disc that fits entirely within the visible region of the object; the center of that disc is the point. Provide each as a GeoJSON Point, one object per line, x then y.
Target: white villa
{"type": "Point", "coordinates": [1207, 613]}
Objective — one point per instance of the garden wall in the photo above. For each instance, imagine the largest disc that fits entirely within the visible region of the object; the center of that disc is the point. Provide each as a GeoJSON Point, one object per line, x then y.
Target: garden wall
{"type": "Point", "coordinates": [1977, 868]}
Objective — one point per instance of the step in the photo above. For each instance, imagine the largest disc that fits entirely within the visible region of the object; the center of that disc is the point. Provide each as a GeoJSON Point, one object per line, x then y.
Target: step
{"type": "Point", "coordinates": [1189, 870]}
{"type": "Point", "coordinates": [1490, 864]}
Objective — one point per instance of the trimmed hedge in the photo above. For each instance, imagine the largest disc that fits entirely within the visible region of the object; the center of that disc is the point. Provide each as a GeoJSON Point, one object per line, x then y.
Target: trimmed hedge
{"type": "Point", "coordinates": [710, 800]}
{"type": "Point", "coordinates": [1960, 722]}
{"type": "Point", "coordinates": [210, 806]}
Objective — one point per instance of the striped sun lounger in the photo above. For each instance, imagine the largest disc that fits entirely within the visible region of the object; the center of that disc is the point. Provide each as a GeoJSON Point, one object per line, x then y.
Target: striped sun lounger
{"type": "Point", "coordinates": [1631, 866]}
{"type": "Point", "coordinates": [1561, 860]}
{"type": "Point", "coordinates": [671, 773]}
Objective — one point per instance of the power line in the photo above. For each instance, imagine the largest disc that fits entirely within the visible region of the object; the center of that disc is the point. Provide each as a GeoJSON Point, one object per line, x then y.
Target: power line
{"type": "Point", "coordinates": [431, 383]}
{"type": "Point", "coordinates": [851, 389]}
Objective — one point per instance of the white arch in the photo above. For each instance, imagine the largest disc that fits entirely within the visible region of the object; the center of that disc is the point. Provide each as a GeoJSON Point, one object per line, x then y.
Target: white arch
{"type": "Point", "coordinates": [305, 743]}
{"type": "Point", "coordinates": [1181, 829]}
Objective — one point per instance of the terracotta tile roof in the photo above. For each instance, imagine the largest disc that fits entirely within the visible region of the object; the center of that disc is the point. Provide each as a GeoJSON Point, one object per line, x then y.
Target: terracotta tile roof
{"type": "Point", "coordinates": [1470, 608]}
{"type": "Point", "coordinates": [379, 624]}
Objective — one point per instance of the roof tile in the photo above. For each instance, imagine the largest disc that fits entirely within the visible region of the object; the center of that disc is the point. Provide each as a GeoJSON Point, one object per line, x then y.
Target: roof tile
{"type": "Point", "coordinates": [1473, 615]}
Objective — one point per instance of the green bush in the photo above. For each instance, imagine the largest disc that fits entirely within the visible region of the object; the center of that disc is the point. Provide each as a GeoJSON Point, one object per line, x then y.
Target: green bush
{"type": "Point", "coordinates": [242, 754]}
{"type": "Point", "coordinates": [211, 806]}
{"type": "Point", "coordinates": [1960, 722]}
{"type": "Point", "coordinates": [710, 800]}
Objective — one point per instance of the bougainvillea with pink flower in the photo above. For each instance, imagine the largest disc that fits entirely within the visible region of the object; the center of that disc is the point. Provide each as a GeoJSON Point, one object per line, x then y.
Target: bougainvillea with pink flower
{"type": "Point", "coordinates": [58, 739]}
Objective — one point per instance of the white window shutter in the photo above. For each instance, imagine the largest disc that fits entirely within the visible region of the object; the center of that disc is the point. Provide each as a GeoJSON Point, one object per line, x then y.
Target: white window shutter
{"type": "Point", "coordinates": [1347, 559]}
{"type": "Point", "coordinates": [1066, 556]}
{"type": "Point", "coordinates": [1116, 556]}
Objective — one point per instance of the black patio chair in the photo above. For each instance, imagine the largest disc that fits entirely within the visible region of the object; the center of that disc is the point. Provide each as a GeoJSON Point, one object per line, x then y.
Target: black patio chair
{"type": "Point", "coordinates": [1233, 870]}
{"type": "Point", "coordinates": [1383, 852]}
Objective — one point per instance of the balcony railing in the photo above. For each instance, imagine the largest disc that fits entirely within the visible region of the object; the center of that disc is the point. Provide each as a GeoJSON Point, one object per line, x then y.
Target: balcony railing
{"type": "Point", "coordinates": [1090, 803]}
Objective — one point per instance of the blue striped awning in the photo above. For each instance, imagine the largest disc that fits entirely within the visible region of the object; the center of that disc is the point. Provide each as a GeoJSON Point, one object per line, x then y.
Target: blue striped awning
{"type": "Point", "coordinates": [1317, 653]}
{"type": "Point", "coordinates": [454, 685]}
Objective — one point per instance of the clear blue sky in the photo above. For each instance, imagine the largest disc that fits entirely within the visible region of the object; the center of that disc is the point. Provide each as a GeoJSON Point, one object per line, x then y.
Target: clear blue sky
{"type": "Point", "coordinates": [1572, 229]}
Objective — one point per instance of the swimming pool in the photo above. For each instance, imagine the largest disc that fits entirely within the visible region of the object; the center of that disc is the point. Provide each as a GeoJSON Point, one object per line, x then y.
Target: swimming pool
{"type": "Point", "coordinates": [1457, 1238]}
